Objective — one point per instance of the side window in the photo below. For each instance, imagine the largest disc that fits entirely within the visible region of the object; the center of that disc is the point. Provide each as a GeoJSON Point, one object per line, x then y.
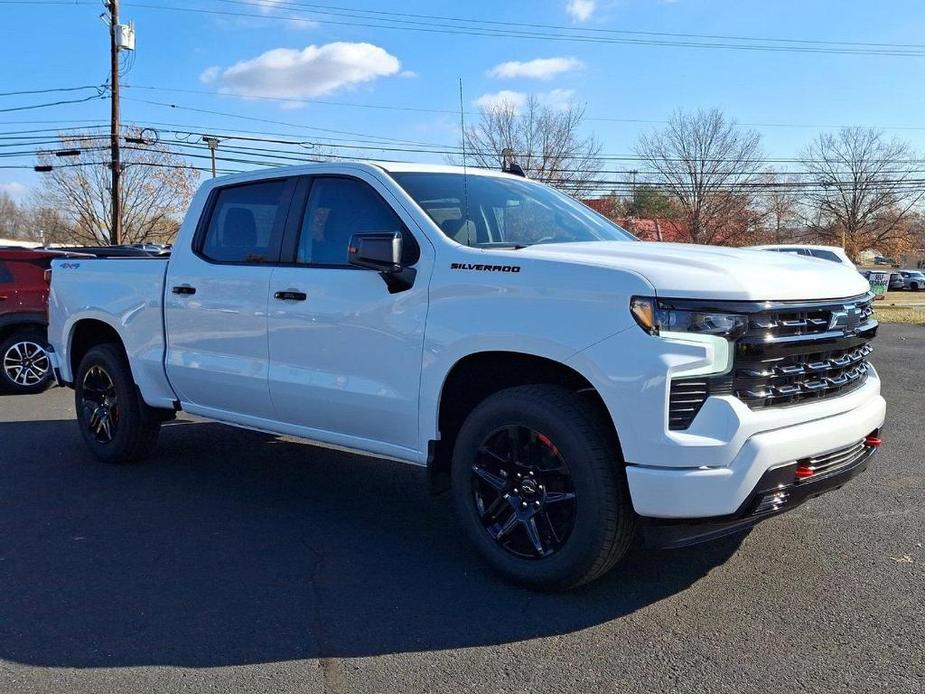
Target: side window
{"type": "Point", "coordinates": [6, 277]}
{"type": "Point", "coordinates": [337, 209]}
{"type": "Point", "coordinates": [825, 255]}
{"type": "Point", "coordinates": [246, 223]}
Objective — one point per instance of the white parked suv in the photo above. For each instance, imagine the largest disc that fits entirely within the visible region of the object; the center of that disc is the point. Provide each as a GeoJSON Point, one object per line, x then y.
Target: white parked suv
{"type": "Point", "coordinates": [568, 385]}
{"type": "Point", "coordinates": [835, 254]}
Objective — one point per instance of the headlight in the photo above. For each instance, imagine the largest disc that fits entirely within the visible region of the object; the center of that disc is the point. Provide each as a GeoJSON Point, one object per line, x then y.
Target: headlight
{"type": "Point", "coordinates": [656, 318]}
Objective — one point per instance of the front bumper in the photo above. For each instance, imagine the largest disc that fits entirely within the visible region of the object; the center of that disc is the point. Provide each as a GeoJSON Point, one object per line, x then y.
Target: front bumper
{"type": "Point", "coordinates": [717, 491]}
{"type": "Point", "coordinates": [779, 490]}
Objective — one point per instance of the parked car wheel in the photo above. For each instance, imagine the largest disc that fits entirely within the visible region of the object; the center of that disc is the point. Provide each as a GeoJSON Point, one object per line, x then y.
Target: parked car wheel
{"type": "Point", "coordinates": [540, 489]}
{"type": "Point", "coordinates": [24, 364]}
{"type": "Point", "coordinates": [115, 422]}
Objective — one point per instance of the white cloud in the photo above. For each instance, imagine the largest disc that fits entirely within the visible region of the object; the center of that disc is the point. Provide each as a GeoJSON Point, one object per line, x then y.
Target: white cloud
{"type": "Point", "coordinates": [210, 74]}
{"type": "Point", "coordinates": [14, 189]}
{"type": "Point", "coordinates": [540, 68]}
{"type": "Point", "coordinates": [503, 99]}
{"type": "Point", "coordinates": [408, 74]}
{"type": "Point", "coordinates": [267, 6]}
{"type": "Point", "coordinates": [581, 10]}
{"type": "Point", "coordinates": [557, 99]}
{"type": "Point", "coordinates": [310, 72]}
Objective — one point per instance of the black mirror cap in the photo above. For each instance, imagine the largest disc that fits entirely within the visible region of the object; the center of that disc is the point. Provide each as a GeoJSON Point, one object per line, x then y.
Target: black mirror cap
{"type": "Point", "coordinates": [380, 251]}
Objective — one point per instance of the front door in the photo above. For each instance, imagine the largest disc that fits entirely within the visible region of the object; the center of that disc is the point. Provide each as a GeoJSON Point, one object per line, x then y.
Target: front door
{"type": "Point", "coordinates": [345, 354]}
{"type": "Point", "coordinates": [216, 301]}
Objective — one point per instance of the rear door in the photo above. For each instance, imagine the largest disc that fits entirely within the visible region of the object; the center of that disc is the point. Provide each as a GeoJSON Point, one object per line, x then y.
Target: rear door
{"type": "Point", "coordinates": [216, 300]}
{"type": "Point", "coordinates": [8, 292]}
{"type": "Point", "coordinates": [345, 353]}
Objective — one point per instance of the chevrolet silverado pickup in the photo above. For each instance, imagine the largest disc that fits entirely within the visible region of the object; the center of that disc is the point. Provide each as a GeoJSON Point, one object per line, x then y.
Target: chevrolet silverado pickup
{"type": "Point", "coordinates": [569, 386]}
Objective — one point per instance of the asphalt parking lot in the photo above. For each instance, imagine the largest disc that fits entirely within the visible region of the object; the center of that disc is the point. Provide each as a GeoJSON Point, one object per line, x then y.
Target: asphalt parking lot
{"type": "Point", "coordinates": [240, 561]}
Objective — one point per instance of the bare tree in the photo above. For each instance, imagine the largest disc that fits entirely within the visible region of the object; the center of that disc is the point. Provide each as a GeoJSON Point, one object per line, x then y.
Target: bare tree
{"type": "Point", "coordinates": [778, 208]}
{"type": "Point", "coordinates": [156, 189]}
{"type": "Point", "coordinates": [13, 218]}
{"type": "Point", "coordinates": [862, 194]}
{"type": "Point", "coordinates": [709, 166]}
{"type": "Point", "coordinates": [546, 141]}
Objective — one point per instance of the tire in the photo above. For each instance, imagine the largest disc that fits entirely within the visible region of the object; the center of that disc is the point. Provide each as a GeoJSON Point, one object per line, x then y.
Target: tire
{"type": "Point", "coordinates": [116, 424]}
{"type": "Point", "coordinates": [24, 365]}
{"type": "Point", "coordinates": [554, 427]}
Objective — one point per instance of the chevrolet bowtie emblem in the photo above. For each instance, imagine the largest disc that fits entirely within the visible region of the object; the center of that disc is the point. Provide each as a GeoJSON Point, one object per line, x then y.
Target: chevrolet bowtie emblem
{"type": "Point", "coordinates": [847, 319]}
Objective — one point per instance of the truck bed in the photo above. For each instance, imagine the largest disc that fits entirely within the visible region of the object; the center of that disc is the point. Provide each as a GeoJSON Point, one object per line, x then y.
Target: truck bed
{"type": "Point", "coordinates": [127, 294]}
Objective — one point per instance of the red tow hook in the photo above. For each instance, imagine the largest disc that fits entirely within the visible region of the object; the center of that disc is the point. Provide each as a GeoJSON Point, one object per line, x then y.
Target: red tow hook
{"type": "Point", "coordinates": [803, 471]}
{"type": "Point", "coordinates": [872, 441]}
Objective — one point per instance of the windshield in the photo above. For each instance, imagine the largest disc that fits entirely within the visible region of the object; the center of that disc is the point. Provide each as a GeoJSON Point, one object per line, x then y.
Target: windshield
{"type": "Point", "coordinates": [505, 211]}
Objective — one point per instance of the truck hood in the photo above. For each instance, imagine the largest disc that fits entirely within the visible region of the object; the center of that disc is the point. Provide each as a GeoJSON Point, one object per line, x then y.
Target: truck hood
{"type": "Point", "coordinates": [683, 270]}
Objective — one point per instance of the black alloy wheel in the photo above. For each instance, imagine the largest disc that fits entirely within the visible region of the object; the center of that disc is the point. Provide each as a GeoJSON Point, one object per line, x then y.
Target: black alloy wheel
{"type": "Point", "coordinates": [524, 492]}
{"type": "Point", "coordinates": [539, 487]}
{"type": "Point", "coordinates": [115, 422]}
{"type": "Point", "coordinates": [100, 405]}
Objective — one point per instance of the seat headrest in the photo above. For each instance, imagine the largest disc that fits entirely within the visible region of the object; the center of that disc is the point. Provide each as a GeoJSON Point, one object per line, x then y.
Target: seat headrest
{"type": "Point", "coordinates": [240, 228]}
{"type": "Point", "coordinates": [460, 230]}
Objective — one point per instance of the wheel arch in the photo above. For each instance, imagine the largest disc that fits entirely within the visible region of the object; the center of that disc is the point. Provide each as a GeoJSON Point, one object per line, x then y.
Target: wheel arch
{"type": "Point", "coordinates": [14, 322]}
{"type": "Point", "coordinates": [86, 334]}
{"type": "Point", "coordinates": [476, 376]}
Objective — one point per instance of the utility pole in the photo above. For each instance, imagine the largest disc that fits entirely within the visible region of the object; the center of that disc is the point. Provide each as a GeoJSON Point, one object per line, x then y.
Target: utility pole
{"type": "Point", "coordinates": [212, 142]}
{"type": "Point", "coordinates": [116, 232]}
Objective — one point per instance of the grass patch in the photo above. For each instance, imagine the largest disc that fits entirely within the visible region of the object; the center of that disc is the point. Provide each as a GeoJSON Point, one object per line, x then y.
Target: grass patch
{"type": "Point", "coordinates": [899, 314]}
{"type": "Point", "coordinates": [901, 298]}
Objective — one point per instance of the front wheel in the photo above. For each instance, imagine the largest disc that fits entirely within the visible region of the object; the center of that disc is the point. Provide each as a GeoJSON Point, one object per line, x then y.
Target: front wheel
{"type": "Point", "coordinates": [540, 489]}
{"type": "Point", "coordinates": [115, 422]}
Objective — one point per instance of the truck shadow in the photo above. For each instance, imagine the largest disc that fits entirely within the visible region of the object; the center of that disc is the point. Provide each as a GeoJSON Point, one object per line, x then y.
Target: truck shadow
{"type": "Point", "coordinates": [231, 547]}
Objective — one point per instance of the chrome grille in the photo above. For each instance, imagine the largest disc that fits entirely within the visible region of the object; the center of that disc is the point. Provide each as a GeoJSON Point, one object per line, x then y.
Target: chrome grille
{"type": "Point", "coordinates": [829, 463]}
{"type": "Point", "coordinates": [783, 380]}
{"type": "Point", "coordinates": [791, 353]}
{"type": "Point", "coordinates": [795, 354]}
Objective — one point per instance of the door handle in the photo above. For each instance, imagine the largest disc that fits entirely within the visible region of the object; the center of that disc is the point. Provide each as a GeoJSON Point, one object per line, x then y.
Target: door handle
{"type": "Point", "coordinates": [290, 296]}
{"type": "Point", "coordinates": [184, 289]}
{"type": "Point", "coordinates": [2, 298]}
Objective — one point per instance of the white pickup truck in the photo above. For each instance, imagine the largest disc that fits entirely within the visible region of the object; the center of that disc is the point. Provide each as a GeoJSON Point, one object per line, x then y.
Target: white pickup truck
{"type": "Point", "coordinates": [567, 384]}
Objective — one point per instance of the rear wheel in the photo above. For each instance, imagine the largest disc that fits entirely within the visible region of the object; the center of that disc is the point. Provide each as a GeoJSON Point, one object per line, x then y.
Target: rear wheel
{"type": "Point", "coordinates": [24, 364]}
{"type": "Point", "coordinates": [539, 488]}
{"type": "Point", "coordinates": [116, 424]}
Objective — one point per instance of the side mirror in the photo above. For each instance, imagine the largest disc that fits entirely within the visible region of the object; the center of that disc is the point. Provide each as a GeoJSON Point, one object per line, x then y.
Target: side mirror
{"type": "Point", "coordinates": [382, 251]}
{"type": "Point", "coordinates": [376, 251]}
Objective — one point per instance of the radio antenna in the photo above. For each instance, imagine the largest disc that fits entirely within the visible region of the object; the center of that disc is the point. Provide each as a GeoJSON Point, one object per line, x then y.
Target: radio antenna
{"type": "Point", "coordinates": [462, 132]}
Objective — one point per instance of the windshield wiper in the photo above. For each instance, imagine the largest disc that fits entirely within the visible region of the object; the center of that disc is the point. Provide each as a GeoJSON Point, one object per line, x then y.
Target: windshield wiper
{"type": "Point", "coordinates": [500, 244]}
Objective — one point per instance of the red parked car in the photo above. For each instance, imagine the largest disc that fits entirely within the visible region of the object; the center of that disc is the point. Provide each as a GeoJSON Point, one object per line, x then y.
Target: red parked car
{"type": "Point", "coordinates": [24, 280]}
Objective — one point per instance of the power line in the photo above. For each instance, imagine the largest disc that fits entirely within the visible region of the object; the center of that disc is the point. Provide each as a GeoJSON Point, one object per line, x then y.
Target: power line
{"type": "Point", "coordinates": [486, 27]}
{"type": "Point", "coordinates": [455, 112]}
{"type": "Point", "coordinates": [432, 27]}
{"type": "Point", "coordinates": [559, 27]}
{"type": "Point", "coordinates": [276, 122]}
{"type": "Point", "coordinates": [52, 103]}
{"type": "Point", "coordinates": [49, 91]}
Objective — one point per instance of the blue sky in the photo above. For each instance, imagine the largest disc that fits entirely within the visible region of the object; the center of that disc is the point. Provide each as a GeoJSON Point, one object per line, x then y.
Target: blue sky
{"type": "Point", "coordinates": [627, 89]}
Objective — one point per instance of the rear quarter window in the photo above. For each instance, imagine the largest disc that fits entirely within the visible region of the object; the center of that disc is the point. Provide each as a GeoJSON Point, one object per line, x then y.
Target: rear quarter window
{"type": "Point", "coordinates": [246, 223]}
